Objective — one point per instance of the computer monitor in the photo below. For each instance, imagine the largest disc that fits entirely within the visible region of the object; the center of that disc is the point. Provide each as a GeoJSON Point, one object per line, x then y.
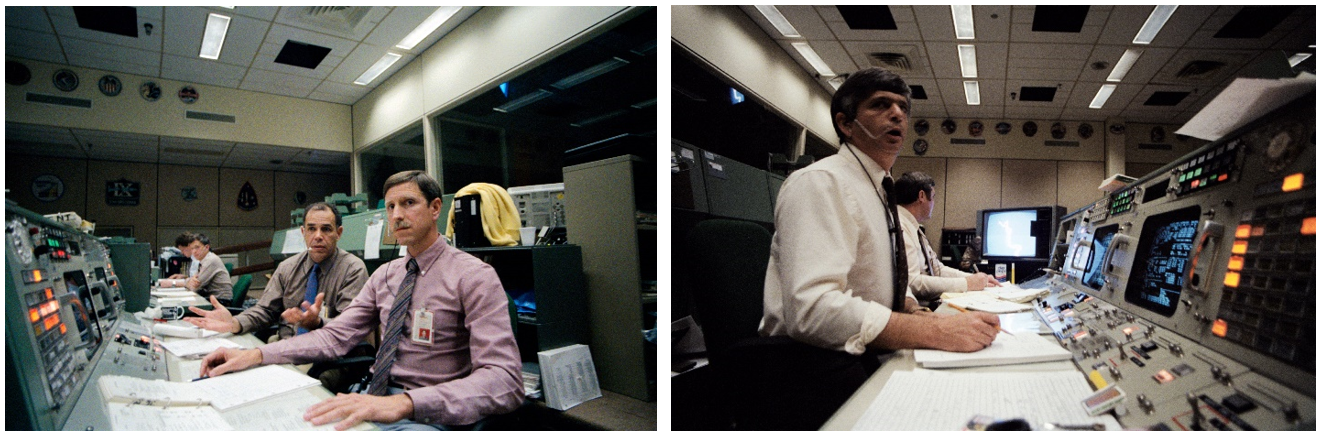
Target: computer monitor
{"type": "Point", "coordinates": [1092, 277]}
{"type": "Point", "coordinates": [1161, 258]}
{"type": "Point", "coordinates": [1023, 233]}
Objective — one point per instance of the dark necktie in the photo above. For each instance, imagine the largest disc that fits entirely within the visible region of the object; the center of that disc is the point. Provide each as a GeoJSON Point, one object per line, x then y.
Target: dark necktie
{"type": "Point", "coordinates": [394, 332]}
{"type": "Point", "coordinates": [900, 255]}
{"type": "Point", "coordinates": [310, 295]}
{"type": "Point", "coordinates": [932, 266]}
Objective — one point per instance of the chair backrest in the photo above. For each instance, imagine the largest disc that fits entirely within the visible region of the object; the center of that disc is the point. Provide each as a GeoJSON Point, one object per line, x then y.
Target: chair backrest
{"type": "Point", "coordinates": [729, 262]}
{"type": "Point", "coordinates": [241, 289]}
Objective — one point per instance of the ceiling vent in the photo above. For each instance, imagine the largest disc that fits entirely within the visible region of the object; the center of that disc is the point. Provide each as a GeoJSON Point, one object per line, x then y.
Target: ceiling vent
{"type": "Point", "coordinates": [339, 19]}
{"type": "Point", "coordinates": [890, 61]}
{"type": "Point", "coordinates": [33, 97]}
{"type": "Point", "coordinates": [1199, 69]}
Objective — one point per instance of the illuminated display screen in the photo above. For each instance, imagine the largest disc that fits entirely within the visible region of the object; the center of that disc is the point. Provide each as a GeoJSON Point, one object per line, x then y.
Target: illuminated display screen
{"type": "Point", "coordinates": [1100, 245]}
{"type": "Point", "coordinates": [1009, 234]}
{"type": "Point", "coordinates": [1156, 280]}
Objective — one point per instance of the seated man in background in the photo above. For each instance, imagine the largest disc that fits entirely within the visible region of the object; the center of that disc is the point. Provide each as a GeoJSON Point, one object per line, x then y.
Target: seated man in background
{"type": "Point", "coordinates": [181, 245]}
{"type": "Point", "coordinates": [447, 357]}
{"type": "Point", "coordinates": [212, 279]}
{"type": "Point", "coordinates": [915, 192]}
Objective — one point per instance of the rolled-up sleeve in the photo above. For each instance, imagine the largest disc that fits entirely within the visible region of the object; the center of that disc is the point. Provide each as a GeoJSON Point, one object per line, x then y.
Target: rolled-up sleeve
{"type": "Point", "coordinates": [816, 244]}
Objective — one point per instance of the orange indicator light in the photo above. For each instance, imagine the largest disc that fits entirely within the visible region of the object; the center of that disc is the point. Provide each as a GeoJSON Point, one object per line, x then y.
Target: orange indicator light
{"type": "Point", "coordinates": [1309, 226]}
{"type": "Point", "coordinates": [63, 328]}
{"type": "Point", "coordinates": [1293, 182]}
{"type": "Point", "coordinates": [34, 315]}
{"type": "Point", "coordinates": [1235, 263]}
{"type": "Point", "coordinates": [1222, 177]}
{"type": "Point", "coordinates": [1243, 231]}
{"type": "Point", "coordinates": [1231, 279]}
{"type": "Point", "coordinates": [1240, 247]}
{"type": "Point", "coordinates": [1220, 328]}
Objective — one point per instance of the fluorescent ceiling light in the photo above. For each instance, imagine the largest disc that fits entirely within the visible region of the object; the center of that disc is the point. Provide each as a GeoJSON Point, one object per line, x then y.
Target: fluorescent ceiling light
{"type": "Point", "coordinates": [589, 73]}
{"type": "Point", "coordinates": [377, 68]}
{"type": "Point", "coordinates": [640, 105]}
{"type": "Point", "coordinates": [968, 60]}
{"type": "Point", "coordinates": [597, 119]}
{"type": "Point", "coordinates": [1102, 95]}
{"type": "Point", "coordinates": [1125, 63]}
{"type": "Point", "coordinates": [214, 38]}
{"type": "Point", "coordinates": [962, 21]}
{"type": "Point", "coordinates": [777, 19]}
{"type": "Point", "coordinates": [1155, 21]}
{"type": "Point", "coordinates": [973, 92]}
{"type": "Point", "coordinates": [525, 100]}
{"type": "Point", "coordinates": [805, 49]}
{"type": "Point", "coordinates": [1298, 58]}
{"type": "Point", "coordinates": [429, 25]}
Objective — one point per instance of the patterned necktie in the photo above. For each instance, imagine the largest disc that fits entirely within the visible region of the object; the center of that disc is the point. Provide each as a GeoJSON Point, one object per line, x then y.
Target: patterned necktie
{"type": "Point", "coordinates": [900, 253]}
{"type": "Point", "coordinates": [310, 295]}
{"type": "Point", "coordinates": [933, 266]}
{"type": "Point", "coordinates": [394, 332]}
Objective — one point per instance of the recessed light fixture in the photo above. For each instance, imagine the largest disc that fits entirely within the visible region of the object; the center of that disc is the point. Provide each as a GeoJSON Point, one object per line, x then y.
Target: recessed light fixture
{"type": "Point", "coordinates": [968, 60]}
{"type": "Point", "coordinates": [1125, 63]}
{"type": "Point", "coordinates": [589, 73]}
{"type": "Point", "coordinates": [377, 68]}
{"type": "Point", "coordinates": [640, 105]}
{"type": "Point", "coordinates": [962, 21]}
{"type": "Point", "coordinates": [525, 100]}
{"type": "Point", "coordinates": [598, 118]}
{"type": "Point", "coordinates": [777, 19]}
{"type": "Point", "coordinates": [428, 25]}
{"type": "Point", "coordinates": [1155, 21]}
{"type": "Point", "coordinates": [1298, 58]}
{"type": "Point", "coordinates": [805, 49]}
{"type": "Point", "coordinates": [1102, 95]}
{"type": "Point", "coordinates": [972, 92]}
{"type": "Point", "coordinates": [214, 38]}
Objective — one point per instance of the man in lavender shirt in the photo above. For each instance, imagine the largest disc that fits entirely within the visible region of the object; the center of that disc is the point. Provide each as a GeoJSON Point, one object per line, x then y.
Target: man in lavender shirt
{"type": "Point", "coordinates": [462, 367]}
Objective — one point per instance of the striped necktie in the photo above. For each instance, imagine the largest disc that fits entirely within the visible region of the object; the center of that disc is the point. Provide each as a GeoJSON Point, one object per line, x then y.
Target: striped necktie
{"type": "Point", "coordinates": [933, 265]}
{"type": "Point", "coordinates": [312, 284]}
{"type": "Point", "coordinates": [394, 332]}
{"type": "Point", "coordinates": [900, 255]}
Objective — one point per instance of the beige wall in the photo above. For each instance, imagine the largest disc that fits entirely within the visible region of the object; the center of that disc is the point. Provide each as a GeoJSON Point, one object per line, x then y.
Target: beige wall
{"type": "Point", "coordinates": [259, 118]}
{"type": "Point", "coordinates": [730, 42]}
{"type": "Point", "coordinates": [494, 45]}
{"type": "Point", "coordinates": [1014, 145]}
{"type": "Point", "coordinates": [161, 214]}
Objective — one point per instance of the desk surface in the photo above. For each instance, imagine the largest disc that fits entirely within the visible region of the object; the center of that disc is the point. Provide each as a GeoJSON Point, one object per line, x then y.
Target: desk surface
{"type": "Point", "coordinates": [852, 410]}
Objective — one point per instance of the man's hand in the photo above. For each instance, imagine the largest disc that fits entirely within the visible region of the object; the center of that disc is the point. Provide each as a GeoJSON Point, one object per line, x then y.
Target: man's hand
{"type": "Point", "coordinates": [218, 319]}
{"type": "Point", "coordinates": [227, 360]}
{"type": "Point", "coordinates": [176, 276]}
{"type": "Point", "coordinates": [305, 316]}
{"type": "Point", "coordinates": [980, 281]}
{"type": "Point", "coordinates": [193, 283]}
{"type": "Point", "coordinates": [352, 409]}
{"type": "Point", "coordinates": [965, 332]}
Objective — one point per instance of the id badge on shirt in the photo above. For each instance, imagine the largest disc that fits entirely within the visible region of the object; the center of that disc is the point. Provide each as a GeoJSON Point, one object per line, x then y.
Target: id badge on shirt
{"type": "Point", "coordinates": [422, 326]}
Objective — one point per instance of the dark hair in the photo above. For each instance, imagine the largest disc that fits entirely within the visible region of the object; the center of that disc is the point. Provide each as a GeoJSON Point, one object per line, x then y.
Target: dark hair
{"type": "Point", "coordinates": [909, 184]}
{"type": "Point", "coordinates": [859, 87]}
{"type": "Point", "coordinates": [321, 205]}
{"type": "Point", "coordinates": [184, 239]}
{"type": "Point", "coordinates": [429, 186]}
{"type": "Point", "coordinates": [201, 237]}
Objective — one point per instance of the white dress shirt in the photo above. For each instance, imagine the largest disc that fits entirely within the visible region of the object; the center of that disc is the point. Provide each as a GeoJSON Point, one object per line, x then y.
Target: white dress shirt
{"type": "Point", "coordinates": [922, 262]}
{"type": "Point", "coordinates": [830, 279]}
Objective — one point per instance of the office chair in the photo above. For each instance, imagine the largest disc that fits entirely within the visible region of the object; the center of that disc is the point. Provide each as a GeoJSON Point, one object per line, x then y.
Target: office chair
{"type": "Point", "coordinates": [729, 272]}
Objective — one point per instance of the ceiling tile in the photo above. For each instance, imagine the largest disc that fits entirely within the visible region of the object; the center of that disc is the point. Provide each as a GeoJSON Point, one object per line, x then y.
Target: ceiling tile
{"type": "Point", "coordinates": [197, 70]}
{"type": "Point", "coordinates": [27, 18]}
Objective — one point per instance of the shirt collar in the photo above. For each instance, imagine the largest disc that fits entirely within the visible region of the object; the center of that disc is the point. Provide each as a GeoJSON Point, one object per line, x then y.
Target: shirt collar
{"type": "Point", "coordinates": [429, 255]}
{"type": "Point", "coordinates": [909, 221]}
{"type": "Point", "coordinates": [873, 169]}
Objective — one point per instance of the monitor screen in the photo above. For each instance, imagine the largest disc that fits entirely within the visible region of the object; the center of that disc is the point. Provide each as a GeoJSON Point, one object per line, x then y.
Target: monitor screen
{"type": "Point", "coordinates": [1156, 278]}
{"type": "Point", "coordinates": [1100, 245]}
{"type": "Point", "coordinates": [1009, 233]}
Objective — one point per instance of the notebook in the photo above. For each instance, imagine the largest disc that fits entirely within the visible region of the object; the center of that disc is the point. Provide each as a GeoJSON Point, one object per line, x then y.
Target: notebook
{"type": "Point", "coordinates": [1005, 350]}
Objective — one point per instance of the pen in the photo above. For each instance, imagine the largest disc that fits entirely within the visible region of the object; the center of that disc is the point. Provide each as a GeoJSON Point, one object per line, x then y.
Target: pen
{"type": "Point", "coordinates": [202, 377]}
{"type": "Point", "coordinates": [966, 311]}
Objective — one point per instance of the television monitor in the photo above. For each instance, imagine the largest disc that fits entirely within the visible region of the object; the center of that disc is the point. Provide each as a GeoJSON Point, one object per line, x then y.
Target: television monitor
{"type": "Point", "coordinates": [1018, 233]}
{"type": "Point", "coordinates": [1160, 260]}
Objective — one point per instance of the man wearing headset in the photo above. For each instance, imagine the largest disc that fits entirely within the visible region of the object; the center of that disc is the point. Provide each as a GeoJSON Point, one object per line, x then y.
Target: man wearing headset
{"type": "Point", "coordinates": [837, 273]}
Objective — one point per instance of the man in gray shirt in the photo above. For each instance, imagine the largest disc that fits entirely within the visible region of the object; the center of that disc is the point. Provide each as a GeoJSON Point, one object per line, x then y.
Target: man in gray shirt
{"type": "Point", "coordinates": [294, 296]}
{"type": "Point", "coordinates": [212, 278]}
